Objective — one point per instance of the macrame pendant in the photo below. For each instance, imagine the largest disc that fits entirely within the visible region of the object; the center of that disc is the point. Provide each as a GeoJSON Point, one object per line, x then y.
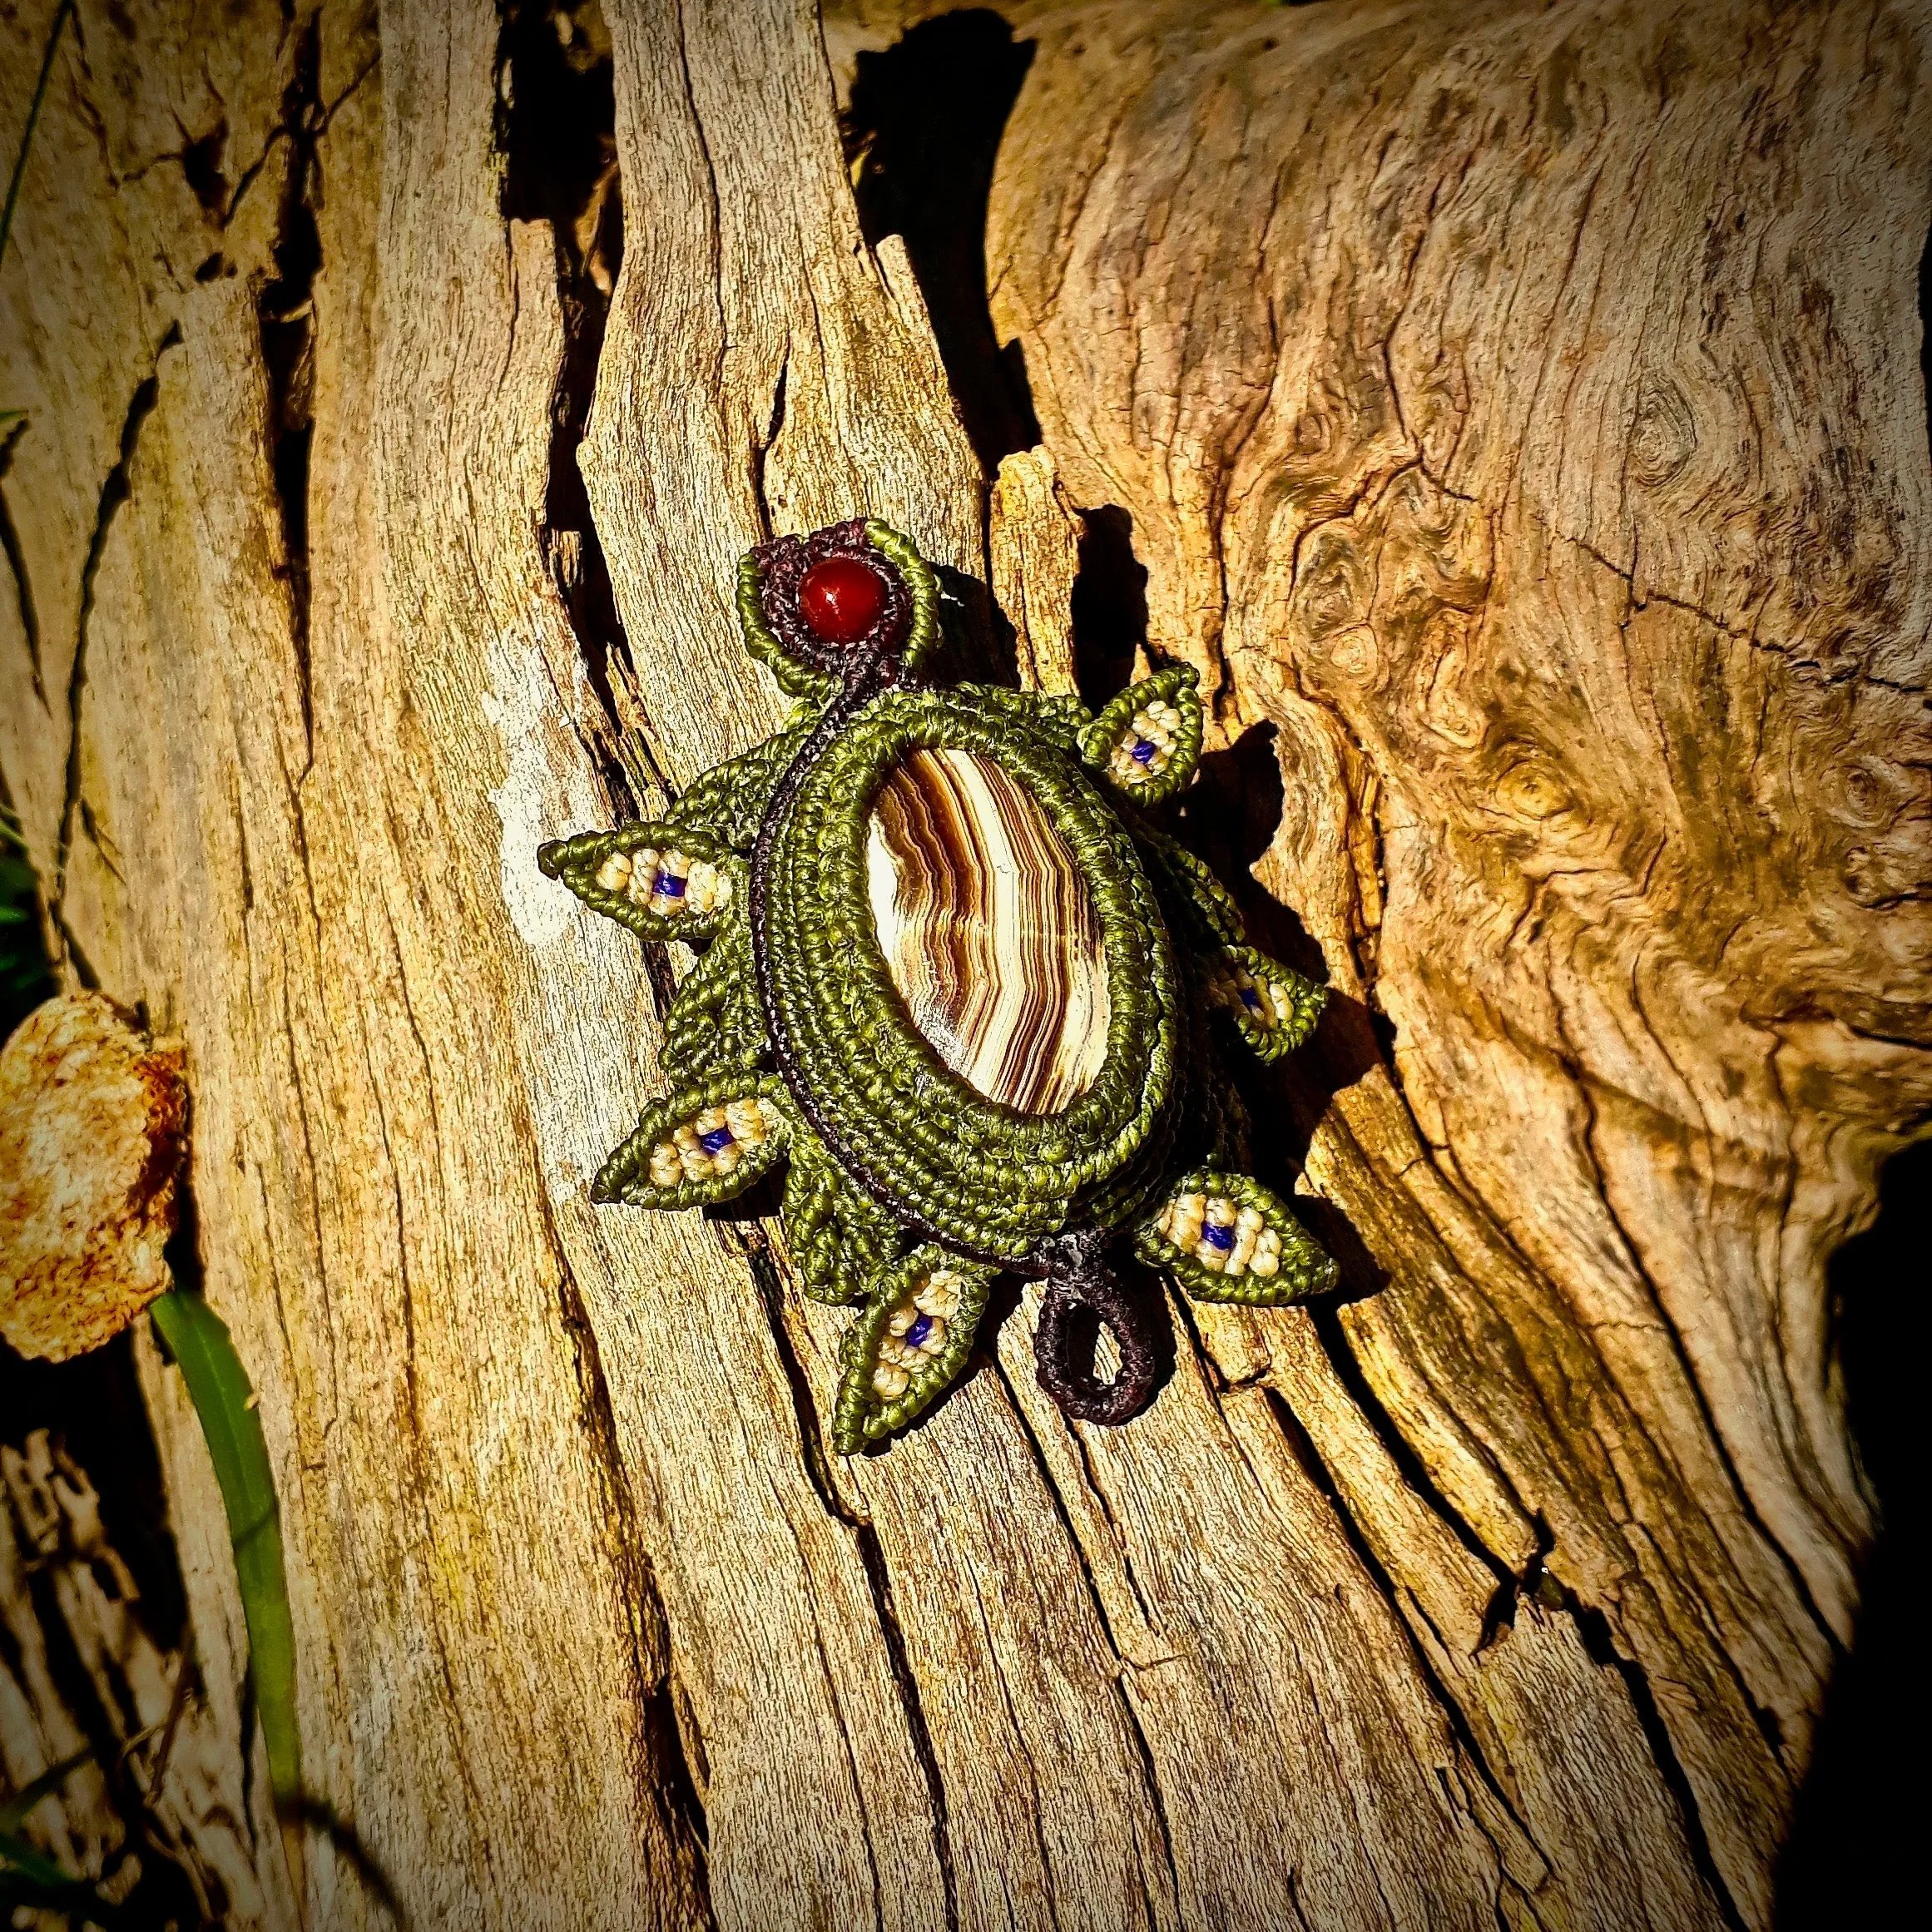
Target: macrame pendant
{"type": "Point", "coordinates": [962, 988]}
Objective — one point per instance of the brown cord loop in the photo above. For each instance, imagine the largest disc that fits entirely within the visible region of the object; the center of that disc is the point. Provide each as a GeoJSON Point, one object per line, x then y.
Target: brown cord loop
{"type": "Point", "coordinates": [1079, 1276]}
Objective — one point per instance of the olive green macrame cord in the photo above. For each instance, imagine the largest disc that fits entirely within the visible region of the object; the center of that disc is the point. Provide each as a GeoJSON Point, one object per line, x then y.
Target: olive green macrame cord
{"type": "Point", "coordinates": [907, 1190]}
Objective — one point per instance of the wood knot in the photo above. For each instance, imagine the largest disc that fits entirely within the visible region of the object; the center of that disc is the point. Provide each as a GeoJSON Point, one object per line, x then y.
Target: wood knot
{"type": "Point", "coordinates": [1663, 435]}
{"type": "Point", "coordinates": [1531, 787]}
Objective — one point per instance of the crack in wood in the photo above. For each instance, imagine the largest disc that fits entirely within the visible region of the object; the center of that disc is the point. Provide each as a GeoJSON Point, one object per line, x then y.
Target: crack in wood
{"type": "Point", "coordinates": [557, 131]}
{"type": "Point", "coordinates": [115, 490]}
{"type": "Point", "coordinates": [285, 324]}
{"type": "Point", "coordinates": [1593, 1629]}
{"type": "Point", "coordinates": [1586, 1088]}
{"type": "Point", "coordinates": [1301, 1445]}
{"type": "Point", "coordinates": [17, 562]}
{"type": "Point", "coordinates": [676, 1795]}
{"type": "Point", "coordinates": [1137, 1733]}
{"type": "Point", "coordinates": [750, 1243]}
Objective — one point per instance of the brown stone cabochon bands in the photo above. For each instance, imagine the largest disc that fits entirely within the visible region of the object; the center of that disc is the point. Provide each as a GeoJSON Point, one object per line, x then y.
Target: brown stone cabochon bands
{"type": "Point", "coordinates": [989, 929]}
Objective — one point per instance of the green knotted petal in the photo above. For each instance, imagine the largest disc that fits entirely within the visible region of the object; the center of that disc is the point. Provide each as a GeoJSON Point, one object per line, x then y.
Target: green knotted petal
{"type": "Point", "coordinates": [1273, 1006]}
{"type": "Point", "coordinates": [1161, 712]}
{"type": "Point", "coordinates": [1270, 1260]}
{"type": "Point", "coordinates": [664, 882]}
{"type": "Point", "coordinates": [714, 1023]}
{"type": "Point", "coordinates": [727, 802]}
{"type": "Point", "coordinates": [1203, 913]}
{"type": "Point", "coordinates": [838, 1240]}
{"type": "Point", "coordinates": [890, 1379]}
{"type": "Point", "coordinates": [667, 1163]}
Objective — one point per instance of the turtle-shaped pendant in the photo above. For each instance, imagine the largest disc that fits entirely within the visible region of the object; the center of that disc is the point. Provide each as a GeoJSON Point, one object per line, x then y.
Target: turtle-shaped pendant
{"type": "Point", "coordinates": [954, 978]}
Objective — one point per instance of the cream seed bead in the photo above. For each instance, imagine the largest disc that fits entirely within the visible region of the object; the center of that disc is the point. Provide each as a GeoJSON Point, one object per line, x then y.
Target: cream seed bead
{"type": "Point", "coordinates": [1232, 990]}
{"type": "Point", "coordinates": [1182, 1221]}
{"type": "Point", "coordinates": [1272, 1006]}
{"type": "Point", "coordinates": [896, 1347]}
{"type": "Point", "coordinates": [706, 887]}
{"type": "Point", "coordinates": [694, 886]}
{"type": "Point", "coordinates": [714, 1143]}
{"type": "Point", "coordinates": [939, 1295]}
{"type": "Point", "coordinates": [1248, 1228]}
{"type": "Point", "coordinates": [1154, 725]}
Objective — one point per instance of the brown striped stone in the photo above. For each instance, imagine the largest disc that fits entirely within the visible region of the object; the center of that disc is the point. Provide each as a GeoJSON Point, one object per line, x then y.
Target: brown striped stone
{"type": "Point", "coordinates": [989, 929]}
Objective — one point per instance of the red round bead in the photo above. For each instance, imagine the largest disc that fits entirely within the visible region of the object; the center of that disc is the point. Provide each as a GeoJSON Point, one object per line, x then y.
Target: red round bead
{"type": "Point", "coordinates": [840, 598]}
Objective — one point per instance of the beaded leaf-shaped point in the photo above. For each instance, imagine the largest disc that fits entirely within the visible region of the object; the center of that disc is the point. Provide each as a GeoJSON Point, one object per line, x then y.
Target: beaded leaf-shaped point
{"type": "Point", "coordinates": [955, 982]}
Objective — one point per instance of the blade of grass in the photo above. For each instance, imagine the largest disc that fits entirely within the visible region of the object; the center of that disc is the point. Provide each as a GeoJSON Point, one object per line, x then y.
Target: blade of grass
{"type": "Point", "coordinates": [218, 1386]}
{"type": "Point", "coordinates": [32, 1864]}
{"type": "Point", "coordinates": [29, 1877]}
{"type": "Point", "coordinates": [14, 1813]}
{"type": "Point", "coordinates": [47, 61]}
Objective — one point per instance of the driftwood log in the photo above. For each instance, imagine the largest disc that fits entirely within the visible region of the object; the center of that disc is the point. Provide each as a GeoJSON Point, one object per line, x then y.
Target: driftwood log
{"type": "Point", "coordinates": [1516, 415]}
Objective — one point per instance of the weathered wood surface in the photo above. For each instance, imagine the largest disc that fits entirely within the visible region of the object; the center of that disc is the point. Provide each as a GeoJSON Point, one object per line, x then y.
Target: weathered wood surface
{"type": "Point", "coordinates": [1518, 411]}
{"type": "Point", "coordinates": [158, 1812]}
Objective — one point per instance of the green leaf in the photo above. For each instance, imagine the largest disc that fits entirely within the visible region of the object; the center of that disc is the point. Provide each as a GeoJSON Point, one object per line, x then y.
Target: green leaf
{"type": "Point", "coordinates": [47, 60]}
{"type": "Point", "coordinates": [1168, 705]}
{"type": "Point", "coordinates": [607, 869]}
{"type": "Point", "coordinates": [1257, 1253]}
{"type": "Point", "coordinates": [218, 1386]}
{"type": "Point", "coordinates": [29, 1878]}
{"type": "Point", "coordinates": [671, 1162]}
{"type": "Point", "coordinates": [908, 1346]}
{"type": "Point", "coordinates": [714, 1022]}
{"type": "Point", "coordinates": [838, 1238]}
{"type": "Point", "coordinates": [15, 1812]}
{"type": "Point", "coordinates": [1273, 1006]}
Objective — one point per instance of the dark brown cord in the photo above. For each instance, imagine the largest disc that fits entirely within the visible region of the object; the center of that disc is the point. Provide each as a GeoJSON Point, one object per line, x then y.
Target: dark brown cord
{"type": "Point", "coordinates": [1080, 1276]}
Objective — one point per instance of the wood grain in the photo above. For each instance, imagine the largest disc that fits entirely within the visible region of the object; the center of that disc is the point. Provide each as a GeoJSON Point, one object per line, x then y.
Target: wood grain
{"type": "Point", "coordinates": [1515, 414]}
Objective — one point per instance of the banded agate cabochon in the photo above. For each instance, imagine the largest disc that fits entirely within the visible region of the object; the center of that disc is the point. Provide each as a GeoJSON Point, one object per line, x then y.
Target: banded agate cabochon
{"type": "Point", "coordinates": [989, 929]}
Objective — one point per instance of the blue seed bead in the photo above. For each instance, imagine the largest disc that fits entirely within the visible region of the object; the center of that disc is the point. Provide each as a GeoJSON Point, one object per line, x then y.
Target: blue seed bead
{"type": "Point", "coordinates": [1143, 751]}
{"type": "Point", "coordinates": [669, 884]}
{"type": "Point", "coordinates": [715, 1141]}
{"type": "Point", "coordinates": [915, 1336]}
{"type": "Point", "coordinates": [1218, 1237]}
{"type": "Point", "coordinates": [1250, 999]}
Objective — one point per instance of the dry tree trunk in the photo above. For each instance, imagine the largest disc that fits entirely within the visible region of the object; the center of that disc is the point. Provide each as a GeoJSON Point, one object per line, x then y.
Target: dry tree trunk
{"type": "Point", "coordinates": [1515, 413]}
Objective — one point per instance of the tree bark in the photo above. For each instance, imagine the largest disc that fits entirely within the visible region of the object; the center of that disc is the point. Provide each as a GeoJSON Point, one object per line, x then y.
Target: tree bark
{"type": "Point", "coordinates": [1516, 415]}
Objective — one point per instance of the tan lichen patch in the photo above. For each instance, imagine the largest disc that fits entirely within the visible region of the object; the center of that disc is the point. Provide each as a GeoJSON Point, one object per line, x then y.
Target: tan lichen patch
{"type": "Point", "coordinates": [93, 1123]}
